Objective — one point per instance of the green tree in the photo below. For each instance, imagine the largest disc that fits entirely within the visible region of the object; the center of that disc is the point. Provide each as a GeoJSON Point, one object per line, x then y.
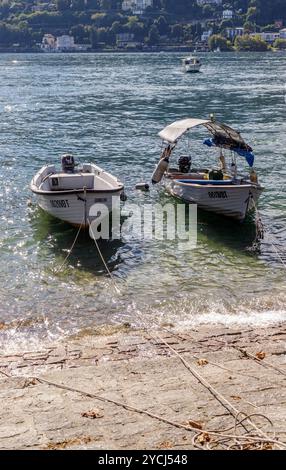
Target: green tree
{"type": "Point", "coordinates": [249, 27]}
{"type": "Point", "coordinates": [280, 44]}
{"type": "Point", "coordinates": [117, 27]}
{"type": "Point", "coordinates": [177, 31]}
{"type": "Point", "coordinates": [78, 31]}
{"type": "Point", "coordinates": [162, 26]}
{"type": "Point", "coordinates": [217, 41]}
{"type": "Point", "coordinates": [250, 43]}
{"type": "Point", "coordinates": [252, 14]}
{"type": "Point", "coordinates": [153, 36]}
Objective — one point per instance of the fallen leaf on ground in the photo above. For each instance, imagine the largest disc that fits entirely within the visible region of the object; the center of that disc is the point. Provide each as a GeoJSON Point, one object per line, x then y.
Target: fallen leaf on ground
{"type": "Point", "coordinates": [234, 397]}
{"type": "Point", "coordinates": [203, 438]}
{"type": "Point", "coordinates": [92, 414]}
{"type": "Point", "coordinates": [202, 362]}
{"type": "Point", "coordinates": [68, 443]}
{"type": "Point", "coordinates": [194, 424]}
{"type": "Point", "coordinates": [165, 445]}
{"type": "Point", "coordinates": [260, 355]}
{"type": "Point", "coordinates": [267, 446]}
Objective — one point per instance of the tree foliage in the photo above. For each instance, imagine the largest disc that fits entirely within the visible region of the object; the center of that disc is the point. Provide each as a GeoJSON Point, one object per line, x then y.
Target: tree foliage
{"type": "Point", "coordinates": [250, 43]}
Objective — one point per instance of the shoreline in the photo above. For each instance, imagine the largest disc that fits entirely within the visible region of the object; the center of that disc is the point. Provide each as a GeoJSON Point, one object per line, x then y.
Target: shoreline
{"type": "Point", "coordinates": [147, 371]}
{"type": "Point", "coordinates": [183, 50]}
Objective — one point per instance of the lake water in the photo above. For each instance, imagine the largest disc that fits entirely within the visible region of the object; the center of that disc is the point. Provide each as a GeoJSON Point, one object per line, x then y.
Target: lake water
{"type": "Point", "coordinates": [108, 108]}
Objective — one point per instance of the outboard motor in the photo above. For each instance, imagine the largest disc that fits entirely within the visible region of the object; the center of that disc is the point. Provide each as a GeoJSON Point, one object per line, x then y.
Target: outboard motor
{"type": "Point", "coordinates": [185, 164]}
{"type": "Point", "coordinates": [68, 163]}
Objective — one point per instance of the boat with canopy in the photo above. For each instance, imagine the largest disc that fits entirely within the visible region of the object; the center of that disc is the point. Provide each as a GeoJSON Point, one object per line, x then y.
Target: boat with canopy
{"type": "Point", "coordinates": [219, 189]}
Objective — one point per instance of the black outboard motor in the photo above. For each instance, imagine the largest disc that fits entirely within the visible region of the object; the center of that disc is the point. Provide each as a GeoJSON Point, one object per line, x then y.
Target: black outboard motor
{"type": "Point", "coordinates": [185, 164]}
{"type": "Point", "coordinates": [68, 163]}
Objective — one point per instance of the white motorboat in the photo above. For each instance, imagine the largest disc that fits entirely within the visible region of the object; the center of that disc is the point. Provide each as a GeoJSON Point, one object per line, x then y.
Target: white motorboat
{"type": "Point", "coordinates": [192, 64]}
{"type": "Point", "coordinates": [217, 189]}
{"type": "Point", "coordinates": [69, 193]}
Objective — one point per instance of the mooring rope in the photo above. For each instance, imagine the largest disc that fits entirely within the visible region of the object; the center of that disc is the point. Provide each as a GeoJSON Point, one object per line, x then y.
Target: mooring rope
{"type": "Point", "coordinates": [260, 231]}
{"type": "Point", "coordinates": [103, 260]}
{"type": "Point", "coordinates": [71, 248]}
{"type": "Point", "coordinates": [226, 403]}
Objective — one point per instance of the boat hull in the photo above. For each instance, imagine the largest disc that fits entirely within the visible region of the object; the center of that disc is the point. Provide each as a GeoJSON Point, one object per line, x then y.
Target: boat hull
{"type": "Point", "coordinates": [233, 201]}
{"type": "Point", "coordinates": [192, 68]}
{"type": "Point", "coordinates": [75, 209]}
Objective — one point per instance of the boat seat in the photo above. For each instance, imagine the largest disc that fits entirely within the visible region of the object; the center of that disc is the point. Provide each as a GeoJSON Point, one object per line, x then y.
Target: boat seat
{"type": "Point", "coordinates": [68, 182]}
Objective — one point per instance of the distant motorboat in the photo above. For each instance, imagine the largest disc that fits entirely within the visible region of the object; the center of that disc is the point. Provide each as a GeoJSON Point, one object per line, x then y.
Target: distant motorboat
{"type": "Point", "coordinates": [192, 64]}
{"type": "Point", "coordinates": [216, 189]}
{"type": "Point", "coordinates": [69, 193]}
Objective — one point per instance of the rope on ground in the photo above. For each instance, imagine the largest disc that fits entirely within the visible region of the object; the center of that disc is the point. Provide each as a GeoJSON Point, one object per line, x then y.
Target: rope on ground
{"type": "Point", "coordinates": [230, 408]}
{"type": "Point", "coordinates": [263, 438]}
{"type": "Point", "coordinates": [246, 437]}
{"type": "Point", "coordinates": [263, 362]}
{"type": "Point", "coordinates": [226, 403]}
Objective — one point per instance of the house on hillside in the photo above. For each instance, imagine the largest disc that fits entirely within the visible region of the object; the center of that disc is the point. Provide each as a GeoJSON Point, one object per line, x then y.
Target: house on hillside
{"type": "Point", "coordinates": [48, 43]}
{"type": "Point", "coordinates": [227, 14]}
{"type": "Point", "coordinates": [201, 3]}
{"type": "Point", "coordinates": [206, 35]}
{"type": "Point", "coordinates": [65, 43]}
{"type": "Point", "coordinates": [269, 37]}
{"type": "Point", "coordinates": [232, 33]}
{"type": "Point", "coordinates": [136, 6]}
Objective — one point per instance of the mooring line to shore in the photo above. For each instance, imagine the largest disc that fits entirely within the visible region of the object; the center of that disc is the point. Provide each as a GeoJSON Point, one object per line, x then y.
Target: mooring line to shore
{"type": "Point", "coordinates": [265, 229]}
{"type": "Point", "coordinates": [218, 433]}
{"type": "Point", "coordinates": [221, 434]}
{"type": "Point", "coordinates": [71, 248]}
{"type": "Point", "coordinates": [103, 260]}
{"type": "Point", "coordinates": [261, 438]}
{"type": "Point", "coordinates": [263, 362]}
{"type": "Point", "coordinates": [219, 397]}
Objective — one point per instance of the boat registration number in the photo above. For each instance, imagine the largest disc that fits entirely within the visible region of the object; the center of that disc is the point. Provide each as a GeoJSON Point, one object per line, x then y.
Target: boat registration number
{"type": "Point", "coordinates": [59, 203]}
{"type": "Point", "coordinates": [218, 194]}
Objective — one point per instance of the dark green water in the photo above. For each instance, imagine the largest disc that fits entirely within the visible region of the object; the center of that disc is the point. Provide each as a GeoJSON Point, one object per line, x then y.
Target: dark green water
{"type": "Point", "coordinates": [108, 109]}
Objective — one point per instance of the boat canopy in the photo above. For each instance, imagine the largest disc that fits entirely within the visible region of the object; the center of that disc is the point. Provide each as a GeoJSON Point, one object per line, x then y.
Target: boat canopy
{"type": "Point", "coordinates": [222, 136]}
{"type": "Point", "coordinates": [173, 132]}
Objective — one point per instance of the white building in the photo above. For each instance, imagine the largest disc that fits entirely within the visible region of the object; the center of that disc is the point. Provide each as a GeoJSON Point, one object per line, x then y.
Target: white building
{"type": "Point", "coordinates": [282, 33]}
{"type": "Point", "coordinates": [209, 2]}
{"type": "Point", "coordinates": [65, 43]}
{"type": "Point", "coordinates": [270, 37]}
{"type": "Point", "coordinates": [136, 6]}
{"type": "Point", "coordinates": [44, 6]}
{"type": "Point", "coordinates": [206, 35]}
{"type": "Point", "coordinates": [227, 14]}
{"type": "Point", "coordinates": [232, 33]}
{"type": "Point", "coordinates": [48, 43]}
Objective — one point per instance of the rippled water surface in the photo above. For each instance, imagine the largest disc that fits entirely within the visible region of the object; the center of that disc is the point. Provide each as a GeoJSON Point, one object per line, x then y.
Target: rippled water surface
{"type": "Point", "coordinates": [108, 109]}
